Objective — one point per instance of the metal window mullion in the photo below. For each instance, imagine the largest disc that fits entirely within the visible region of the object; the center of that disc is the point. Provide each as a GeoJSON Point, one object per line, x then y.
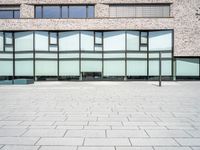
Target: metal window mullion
{"type": "Point", "coordinates": [148, 55]}
{"type": "Point", "coordinates": [58, 62]}
{"type": "Point", "coordinates": [126, 54]}
{"type": "Point", "coordinates": [13, 41]}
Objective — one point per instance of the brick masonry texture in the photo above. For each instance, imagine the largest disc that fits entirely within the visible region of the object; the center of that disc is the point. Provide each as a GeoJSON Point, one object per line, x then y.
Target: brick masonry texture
{"type": "Point", "coordinates": [183, 20]}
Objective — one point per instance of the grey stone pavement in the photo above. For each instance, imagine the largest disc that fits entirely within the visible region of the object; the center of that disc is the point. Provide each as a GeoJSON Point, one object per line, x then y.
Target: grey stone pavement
{"type": "Point", "coordinates": [100, 116]}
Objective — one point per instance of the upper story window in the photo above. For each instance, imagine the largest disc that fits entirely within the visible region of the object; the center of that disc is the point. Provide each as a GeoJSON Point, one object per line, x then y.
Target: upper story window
{"type": "Point", "coordinates": [71, 11]}
{"type": "Point", "coordinates": [9, 12]}
{"type": "Point", "coordinates": [142, 10]}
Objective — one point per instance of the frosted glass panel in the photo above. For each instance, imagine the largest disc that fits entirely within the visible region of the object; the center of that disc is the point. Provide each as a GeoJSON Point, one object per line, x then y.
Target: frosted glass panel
{"type": "Point", "coordinates": [46, 68]}
{"type": "Point", "coordinates": [8, 48]}
{"type": "Point", "coordinates": [53, 38]}
{"type": "Point", "coordinates": [69, 68]}
{"type": "Point", "coordinates": [24, 68]}
{"type": "Point", "coordinates": [187, 67]}
{"type": "Point", "coordinates": [153, 67]}
{"type": "Point", "coordinates": [87, 40]}
{"type": "Point", "coordinates": [1, 41]}
{"type": "Point", "coordinates": [160, 40]}
{"type": "Point", "coordinates": [166, 67]}
{"type": "Point", "coordinates": [137, 68]}
{"type": "Point", "coordinates": [98, 47]}
{"type": "Point", "coordinates": [69, 41]}
{"type": "Point", "coordinates": [53, 47]}
{"type": "Point", "coordinates": [91, 55]}
{"type": "Point", "coordinates": [23, 41]}
{"type": "Point", "coordinates": [133, 40]}
{"type": "Point", "coordinates": [115, 55]}
{"type": "Point", "coordinates": [8, 38]}
{"type": "Point", "coordinates": [6, 68]}
{"type": "Point", "coordinates": [91, 66]}
{"type": "Point", "coordinates": [114, 41]}
{"type": "Point", "coordinates": [41, 41]}
{"type": "Point", "coordinates": [24, 55]}
{"type": "Point", "coordinates": [98, 37]}
{"type": "Point", "coordinates": [114, 68]}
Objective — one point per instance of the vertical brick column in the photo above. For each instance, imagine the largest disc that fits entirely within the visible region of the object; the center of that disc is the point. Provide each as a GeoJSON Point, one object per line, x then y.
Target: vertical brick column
{"type": "Point", "coordinates": [101, 10]}
{"type": "Point", "coordinates": [26, 11]}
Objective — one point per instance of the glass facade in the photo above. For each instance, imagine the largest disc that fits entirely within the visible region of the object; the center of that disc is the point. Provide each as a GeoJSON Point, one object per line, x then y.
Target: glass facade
{"type": "Point", "coordinates": [74, 53]}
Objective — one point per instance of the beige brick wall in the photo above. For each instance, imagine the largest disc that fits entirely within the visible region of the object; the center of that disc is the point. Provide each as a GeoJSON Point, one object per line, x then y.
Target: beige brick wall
{"type": "Point", "coordinates": [183, 20]}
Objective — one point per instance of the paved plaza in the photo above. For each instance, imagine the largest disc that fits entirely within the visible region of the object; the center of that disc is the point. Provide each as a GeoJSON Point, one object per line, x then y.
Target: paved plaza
{"type": "Point", "coordinates": [100, 116]}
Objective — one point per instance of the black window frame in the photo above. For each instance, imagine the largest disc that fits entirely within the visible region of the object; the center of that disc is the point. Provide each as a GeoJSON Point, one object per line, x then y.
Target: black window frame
{"type": "Point", "coordinates": [61, 14]}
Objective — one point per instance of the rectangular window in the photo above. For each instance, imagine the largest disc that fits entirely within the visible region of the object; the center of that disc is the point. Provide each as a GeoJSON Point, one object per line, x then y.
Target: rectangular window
{"type": "Point", "coordinates": [98, 41]}
{"type": "Point", "coordinates": [51, 12]}
{"type": "Point", "coordinates": [8, 41]}
{"type": "Point", "coordinates": [9, 12]}
{"type": "Point", "coordinates": [143, 41]}
{"type": "Point", "coordinates": [68, 11]}
{"type": "Point", "coordinates": [77, 12]}
{"type": "Point", "coordinates": [53, 41]}
{"type": "Point", "coordinates": [137, 10]}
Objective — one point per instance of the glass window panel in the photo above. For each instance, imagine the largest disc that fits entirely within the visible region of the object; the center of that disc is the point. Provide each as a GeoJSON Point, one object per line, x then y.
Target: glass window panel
{"type": "Point", "coordinates": [90, 11]}
{"type": "Point", "coordinates": [69, 41]}
{"type": "Point", "coordinates": [8, 48]}
{"type": "Point", "coordinates": [114, 41]}
{"type": "Point", "coordinates": [6, 14]}
{"type": "Point", "coordinates": [143, 37]}
{"type": "Point", "coordinates": [69, 68]}
{"type": "Point", "coordinates": [41, 41]}
{"type": "Point", "coordinates": [38, 12]}
{"type": "Point", "coordinates": [16, 14]}
{"type": "Point", "coordinates": [98, 47]}
{"type": "Point", "coordinates": [53, 47]}
{"type": "Point", "coordinates": [137, 68]}
{"type": "Point", "coordinates": [23, 41]}
{"type": "Point", "coordinates": [51, 12]}
{"type": "Point", "coordinates": [46, 68]}
{"type": "Point", "coordinates": [143, 48]}
{"type": "Point", "coordinates": [87, 40]}
{"type": "Point", "coordinates": [1, 41]}
{"type": "Point", "coordinates": [114, 68]}
{"type": "Point", "coordinates": [6, 68]}
{"type": "Point", "coordinates": [53, 37]}
{"type": "Point", "coordinates": [65, 12]}
{"type": "Point", "coordinates": [24, 68]}
{"type": "Point", "coordinates": [160, 40]}
{"type": "Point", "coordinates": [133, 40]}
{"type": "Point", "coordinates": [98, 37]}
{"type": "Point", "coordinates": [77, 12]}
{"type": "Point", "coordinates": [8, 38]}
{"type": "Point", "coordinates": [91, 66]}
{"type": "Point", "coordinates": [187, 67]}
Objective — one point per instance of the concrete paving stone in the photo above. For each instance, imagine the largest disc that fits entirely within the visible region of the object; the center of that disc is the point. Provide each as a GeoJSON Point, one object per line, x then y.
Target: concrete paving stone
{"type": "Point", "coordinates": [107, 142]}
{"type": "Point", "coordinates": [188, 141]}
{"type": "Point", "coordinates": [96, 127]}
{"type": "Point", "coordinates": [54, 118]}
{"type": "Point", "coordinates": [10, 122]}
{"type": "Point", "coordinates": [60, 141]}
{"type": "Point", "coordinates": [125, 127]}
{"type": "Point", "coordinates": [97, 123]}
{"type": "Point", "coordinates": [153, 142]}
{"type": "Point", "coordinates": [194, 133]}
{"type": "Point", "coordinates": [167, 133]}
{"type": "Point", "coordinates": [11, 147]}
{"type": "Point", "coordinates": [18, 140]}
{"type": "Point", "coordinates": [41, 127]}
{"type": "Point", "coordinates": [58, 148]}
{"type": "Point", "coordinates": [131, 123]}
{"type": "Point", "coordinates": [195, 148]}
{"type": "Point", "coordinates": [14, 127]}
{"type": "Point", "coordinates": [12, 132]}
{"type": "Point", "coordinates": [71, 123]}
{"type": "Point", "coordinates": [172, 148]}
{"type": "Point", "coordinates": [20, 118]}
{"type": "Point", "coordinates": [37, 123]}
{"type": "Point", "coordinates": [45, 133]}
{"type": "Point", "coordinates": [134, 148]}
{"type": "Point", "coordinates": [69, 127]}
{"type": "Point", "coordinates": [96, 148]}
{"type": "Point", "coordinates": [126, 133]}
{"type": "Point", "coordinates": [85, 133]}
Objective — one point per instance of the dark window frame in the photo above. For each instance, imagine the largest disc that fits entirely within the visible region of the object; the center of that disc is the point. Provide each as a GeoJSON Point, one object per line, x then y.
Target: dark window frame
{"type": "Point", "coordinates": [61, 14]}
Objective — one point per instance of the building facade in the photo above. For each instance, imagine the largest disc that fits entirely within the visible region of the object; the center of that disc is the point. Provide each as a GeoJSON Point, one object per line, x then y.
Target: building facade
{"type": "Point", "coordinates": [99, 39]}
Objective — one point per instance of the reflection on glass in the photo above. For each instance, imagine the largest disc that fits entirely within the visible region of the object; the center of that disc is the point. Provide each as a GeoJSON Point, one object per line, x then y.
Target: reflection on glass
{"type": "Point", "coordinates": [51, 12]}
{"type": "Point", "coordinates": [77, 12]}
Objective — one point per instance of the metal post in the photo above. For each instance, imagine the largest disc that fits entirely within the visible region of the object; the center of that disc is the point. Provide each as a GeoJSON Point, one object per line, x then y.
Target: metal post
{"type": "Point", "coordinates": [160, 69]}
